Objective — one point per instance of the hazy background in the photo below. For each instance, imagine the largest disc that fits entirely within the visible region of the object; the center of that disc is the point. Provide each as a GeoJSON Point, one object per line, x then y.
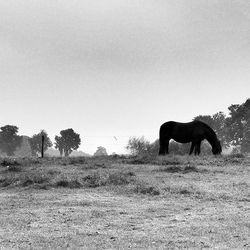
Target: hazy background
{"type": "Point", "coordinates": [112, 69]}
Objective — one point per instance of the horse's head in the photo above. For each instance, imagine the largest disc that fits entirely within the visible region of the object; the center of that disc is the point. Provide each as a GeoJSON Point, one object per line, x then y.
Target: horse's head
{"type": "Point", "coordinates": [217, 148]}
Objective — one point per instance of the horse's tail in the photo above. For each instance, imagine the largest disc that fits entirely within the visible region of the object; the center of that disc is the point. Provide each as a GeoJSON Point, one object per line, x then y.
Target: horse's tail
{"type": "Point", "coordinates": [164, 136]}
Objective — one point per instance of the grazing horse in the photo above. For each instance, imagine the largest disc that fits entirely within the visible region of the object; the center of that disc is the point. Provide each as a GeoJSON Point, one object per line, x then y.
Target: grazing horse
{"type": "Point", "coordinates": [194, 132]}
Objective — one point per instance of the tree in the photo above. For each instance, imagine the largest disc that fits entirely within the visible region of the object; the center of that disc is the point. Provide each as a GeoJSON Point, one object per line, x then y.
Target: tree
{"type": "Point", "coordinates": [218, 123]}
{"type": "Point", "coordinates": [101, 151]}
{"type": "Point", "coordinates": [245, 144]}
{"type": "Point", "coordinates": [138, 146]}
{"type": "Point", "coordinates": [24, 149]}
{"type": "Point", "coordinates": [238, 123]}
{"type": "Point", "coordinates": [208, 119]}
{"type": "Point", "coordinates": [59, 144]}
{"type": "Point", "coordinates": [36, 142]}
{"type": "Point", "coordinates": [67, 142]}
{"type": "Point", "coordinates": [9, 140]}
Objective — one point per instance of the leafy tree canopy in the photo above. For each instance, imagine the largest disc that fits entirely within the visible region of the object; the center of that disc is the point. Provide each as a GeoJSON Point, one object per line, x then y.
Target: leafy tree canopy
{"type": "Point", "coordinates": [233, 129]}
{"type": "Point", "coordinates": [36, 142]}
{"type": "Point", "coordinates": [238, 123]}
{"type": "Point", "coordinates": [101, 151]}
{"type": "Point", "coordinates": [9, 140]}
{"type": "Point", "coordinates": [217, 123]}
{"type": "Point", "coordinates": [67, 142]}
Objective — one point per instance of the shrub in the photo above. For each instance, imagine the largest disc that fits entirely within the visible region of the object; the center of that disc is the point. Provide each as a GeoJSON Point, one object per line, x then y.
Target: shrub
{"type": "Point", "coordinates": [139, 146]}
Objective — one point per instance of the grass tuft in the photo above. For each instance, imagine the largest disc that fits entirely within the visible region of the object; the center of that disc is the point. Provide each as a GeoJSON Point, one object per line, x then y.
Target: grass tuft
{"type": "Point", "coordinates": [5, 182]}
{"type": "Point", "coordinates": [120, 178]}
{"type": "Point", "coordinates": [29, 180]}
{"type": "Point", "coordinates": [13, 168]}
{"type": "Point", "coordinates": [182, 169]}
{"type": "Point", "coordinates": [143, 188]}
{"type": "Point", "coordinates": [66, 183]}
{"type": "Point", "coordinates": [94, 180]}
{"type": "Point", "coordinates": [9, 162]}
{"type": "Point", "coordinates": [97, 179]}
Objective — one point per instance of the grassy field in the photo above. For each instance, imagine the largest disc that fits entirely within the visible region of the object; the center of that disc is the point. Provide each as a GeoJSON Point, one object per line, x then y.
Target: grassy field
{"type": "Point", "coordinates": [118, 203]}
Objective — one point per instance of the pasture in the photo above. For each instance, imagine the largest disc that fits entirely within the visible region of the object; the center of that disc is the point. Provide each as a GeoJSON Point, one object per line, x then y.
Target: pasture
{"type": "Point", "coordinates": [170, 202]}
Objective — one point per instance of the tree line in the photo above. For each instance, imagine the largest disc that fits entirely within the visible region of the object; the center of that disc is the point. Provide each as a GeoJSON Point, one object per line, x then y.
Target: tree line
{"type": "Point", "coordinates": [66, 142]}
{"type": "Point", "coordinates": [233, 130]}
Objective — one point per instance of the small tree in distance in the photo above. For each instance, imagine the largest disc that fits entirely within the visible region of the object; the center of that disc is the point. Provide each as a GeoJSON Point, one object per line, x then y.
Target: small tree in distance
{"type": "Point", "coordinates": [101, 151]}
{"type": "Point", "coordinates": [138, 145]}
{"type": "Point", "coordinates": [59, 144]}
{"type": "Point", "coordinates": [36, 142]}
{"type": "Point", "coordinates": [9, 140]}
{"type": "Point", "coordinates": [67, 142]}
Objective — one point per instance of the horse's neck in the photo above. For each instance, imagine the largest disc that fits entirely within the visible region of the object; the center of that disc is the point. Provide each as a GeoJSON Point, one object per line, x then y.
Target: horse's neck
{"type": "Point", "coordinates": [211, 138]}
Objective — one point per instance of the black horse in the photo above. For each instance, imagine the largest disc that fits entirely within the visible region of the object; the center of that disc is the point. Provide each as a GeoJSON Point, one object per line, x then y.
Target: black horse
{"type": "Point", "coordinates": [195, 132]}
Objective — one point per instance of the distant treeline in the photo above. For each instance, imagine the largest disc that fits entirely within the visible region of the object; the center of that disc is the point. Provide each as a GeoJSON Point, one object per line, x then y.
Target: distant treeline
{"type": "Point", "coordinates": [232, 130]}
{"type": "Point", "coordinates": [12, 144]}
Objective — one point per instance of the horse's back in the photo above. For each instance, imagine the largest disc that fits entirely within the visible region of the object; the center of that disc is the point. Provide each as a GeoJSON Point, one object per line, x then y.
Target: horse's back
{"type": "Point", "coordinates": [180, 132]}
{"type": "Point", "coordinates": [167, 127]}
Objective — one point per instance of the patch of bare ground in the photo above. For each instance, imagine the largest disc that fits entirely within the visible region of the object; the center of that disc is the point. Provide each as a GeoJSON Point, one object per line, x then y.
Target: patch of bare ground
{"type": "Point", "coordinates": [102, 204]}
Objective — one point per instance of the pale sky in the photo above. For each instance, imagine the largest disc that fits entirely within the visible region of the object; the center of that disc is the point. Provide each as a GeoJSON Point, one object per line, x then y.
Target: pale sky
{"type": "Point", "coordinates": [120, 67]}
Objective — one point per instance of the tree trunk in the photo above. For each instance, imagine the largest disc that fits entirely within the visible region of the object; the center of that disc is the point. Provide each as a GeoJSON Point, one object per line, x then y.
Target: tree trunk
{"type": "Point", "coordinates": [42, 146]}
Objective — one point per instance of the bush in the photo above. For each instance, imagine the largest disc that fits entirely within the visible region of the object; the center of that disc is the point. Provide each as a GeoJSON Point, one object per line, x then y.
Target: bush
{"type": "Point", "coordinates": [139, 146]}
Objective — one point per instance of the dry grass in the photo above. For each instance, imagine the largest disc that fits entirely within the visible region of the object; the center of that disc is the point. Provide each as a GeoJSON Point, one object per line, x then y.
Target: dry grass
{"type": "Point", "coordinates": [174, 202]}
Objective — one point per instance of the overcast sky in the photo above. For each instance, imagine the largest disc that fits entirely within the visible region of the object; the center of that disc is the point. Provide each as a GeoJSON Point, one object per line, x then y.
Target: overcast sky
{"type": "Point", "coordinates": [120, 67]}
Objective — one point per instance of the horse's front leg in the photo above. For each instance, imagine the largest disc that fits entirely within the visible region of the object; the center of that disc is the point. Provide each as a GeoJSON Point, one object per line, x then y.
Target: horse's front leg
{"type": "Point", "coordinates": [197, 148]}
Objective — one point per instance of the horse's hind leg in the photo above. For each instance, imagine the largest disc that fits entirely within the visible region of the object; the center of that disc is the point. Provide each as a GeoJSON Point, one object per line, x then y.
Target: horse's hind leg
{"type": "Point", "coordinates": [163, 147]}
{"type": "Point", "coordinates": [197, 148]}
{"type": "Point", "coordinates": [192, 148]}
{"type": "Point", "coordinates": [166, 147]}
